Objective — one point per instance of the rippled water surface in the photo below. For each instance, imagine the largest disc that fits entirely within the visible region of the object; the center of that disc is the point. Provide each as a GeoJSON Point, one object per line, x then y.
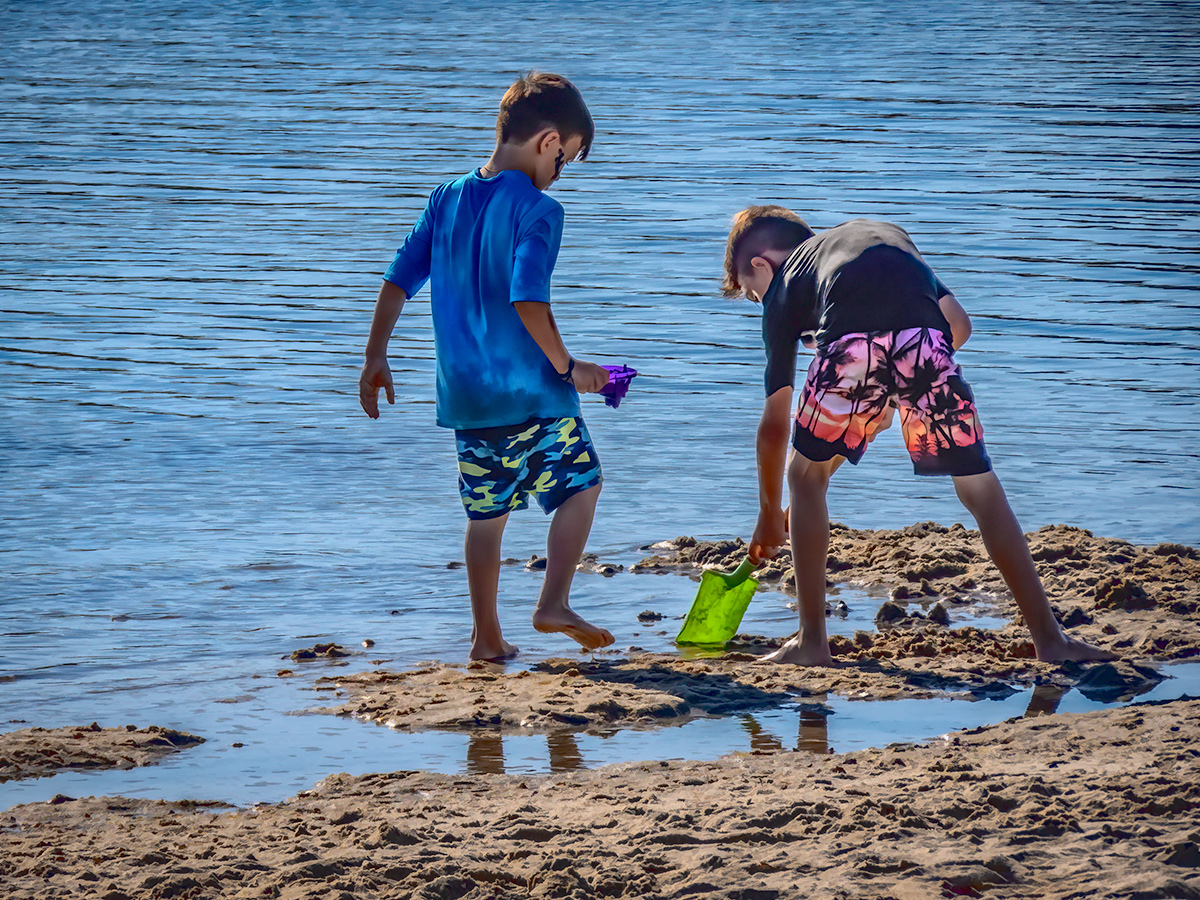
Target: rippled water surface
{"type": "Point", "coordinates": [198, 202]}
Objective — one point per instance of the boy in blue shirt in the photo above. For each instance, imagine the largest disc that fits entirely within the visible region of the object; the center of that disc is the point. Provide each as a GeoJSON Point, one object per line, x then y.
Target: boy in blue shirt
{"type": "Point", "coordinates": [487, 243]}
{"type": "Point", "coordinates": [885, 330]}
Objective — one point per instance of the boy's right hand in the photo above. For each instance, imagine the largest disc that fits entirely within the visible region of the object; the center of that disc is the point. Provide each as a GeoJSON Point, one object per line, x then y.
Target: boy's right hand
{"type": "Point", "coordinates": [376, 374]}
{"type": "Point", "coordinates": [770, 535]}
{"type": "Point", "coordinates": [588, 377]}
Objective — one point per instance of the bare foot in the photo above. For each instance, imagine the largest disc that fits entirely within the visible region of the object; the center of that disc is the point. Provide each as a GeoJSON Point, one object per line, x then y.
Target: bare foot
{"type": "Point", "coordinates": [1069, 649]}
{"type": "Point", "coordinates": [492, 650]}
{"type": "Point", "coordinates": [798, 654]}
{"type": "Point", "coordinates": [566, 621]}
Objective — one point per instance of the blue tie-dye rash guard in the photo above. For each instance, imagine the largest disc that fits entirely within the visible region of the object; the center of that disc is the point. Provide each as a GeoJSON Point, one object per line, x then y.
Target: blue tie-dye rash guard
{"type": "Point", "coordinates": [484, 244]}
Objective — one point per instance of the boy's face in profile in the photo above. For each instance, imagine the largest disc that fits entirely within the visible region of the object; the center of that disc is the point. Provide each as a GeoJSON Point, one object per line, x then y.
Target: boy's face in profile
{"type": "Point", "coordinates": [553, 155]}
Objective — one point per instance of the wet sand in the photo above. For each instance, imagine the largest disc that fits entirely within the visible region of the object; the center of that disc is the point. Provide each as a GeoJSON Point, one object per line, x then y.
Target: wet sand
{"type": "Point", "coordinates": [40, 752]}
{"type": "Point", "coordinates": [1102, 804]}
{"type": "Point", "coordinates": [1142, 602]}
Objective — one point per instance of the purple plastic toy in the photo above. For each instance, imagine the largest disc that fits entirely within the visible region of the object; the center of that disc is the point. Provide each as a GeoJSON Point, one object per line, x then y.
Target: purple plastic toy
{"type": "Point", "coordinates": [618, 384]}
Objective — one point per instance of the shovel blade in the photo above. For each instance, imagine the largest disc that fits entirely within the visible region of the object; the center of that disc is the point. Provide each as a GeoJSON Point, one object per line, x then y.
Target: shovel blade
{"type": "Point", "coordinates": [718, 608]}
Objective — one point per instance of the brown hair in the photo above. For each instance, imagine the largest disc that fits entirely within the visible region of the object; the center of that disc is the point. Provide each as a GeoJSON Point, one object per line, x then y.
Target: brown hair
{"type": "Point", "coordinates": [541, 100]}
{"type": "Point", "coordinates": [754, 230]}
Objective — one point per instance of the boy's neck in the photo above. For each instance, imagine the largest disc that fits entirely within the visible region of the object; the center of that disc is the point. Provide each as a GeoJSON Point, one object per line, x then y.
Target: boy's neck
{"type": "Point", "coordinates": [509, 157]}
{"type": "Point", "coordinates": [778, 257]}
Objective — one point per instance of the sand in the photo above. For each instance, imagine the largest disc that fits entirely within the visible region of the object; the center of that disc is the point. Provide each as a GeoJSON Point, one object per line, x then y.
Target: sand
{"type": "Point", "coordinates": [1099, 805]}
{"type": "Point", "coordinates": [483, 696]}
{"type": "Point", "coordinates": [1142, 602]}
{"type": "Point", "coordinates": [39, 752]}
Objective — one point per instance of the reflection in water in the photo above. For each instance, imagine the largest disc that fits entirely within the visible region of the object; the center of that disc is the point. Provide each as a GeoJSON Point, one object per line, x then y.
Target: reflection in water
{"type": "Point", "coordinates": [1044, 700]}
{"type": "Point", "coordinates": [485, 752]}
{"type": "Point", "coordinates": [813, 736]}
{"type": "Point", "coordinates": [761, 741]}
{"type": "Point", "coordinates": [485, 749]}
{"type": "Point", "coordinates": [814, 731]}
{"type": "Point", "coordinates": [564, 752]}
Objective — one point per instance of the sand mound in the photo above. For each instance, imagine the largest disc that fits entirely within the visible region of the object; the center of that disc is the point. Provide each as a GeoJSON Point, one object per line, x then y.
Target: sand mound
{"type": "Point", "coordinates": [1142, 601]}
{"type": "Point", "coordinates": [650, 690]}
{"type": "Point", "coordinates": [554, 697]}
{"type": "Point", "coordinates": [38, 752]}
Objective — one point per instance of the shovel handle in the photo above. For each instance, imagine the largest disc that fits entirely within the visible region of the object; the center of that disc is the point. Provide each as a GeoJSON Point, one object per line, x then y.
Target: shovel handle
{"type": "Point", "coordinates": [744, 570]}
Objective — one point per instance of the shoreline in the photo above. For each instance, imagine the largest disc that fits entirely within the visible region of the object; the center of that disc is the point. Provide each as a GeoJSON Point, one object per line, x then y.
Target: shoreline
{"type": "Point", "coordinates": [1099, 804]}
{"type": "Point", "coordinates": [1047, 804]}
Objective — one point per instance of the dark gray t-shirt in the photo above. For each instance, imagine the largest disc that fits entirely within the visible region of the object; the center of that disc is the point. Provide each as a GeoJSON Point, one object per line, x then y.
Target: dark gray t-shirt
{"type": "Point", "coordinates": [860, 276]}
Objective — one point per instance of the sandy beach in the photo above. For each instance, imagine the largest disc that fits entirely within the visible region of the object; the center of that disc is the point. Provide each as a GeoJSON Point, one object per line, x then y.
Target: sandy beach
{"type": "Point", "coordinates": [1102, 804]}
{"type": "Point", "coordinates": [235, 618]}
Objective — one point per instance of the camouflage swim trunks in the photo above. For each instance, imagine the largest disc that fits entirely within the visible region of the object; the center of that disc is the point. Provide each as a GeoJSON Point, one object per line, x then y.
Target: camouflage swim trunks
{"type": "Point", "coordinates": [499, 468]}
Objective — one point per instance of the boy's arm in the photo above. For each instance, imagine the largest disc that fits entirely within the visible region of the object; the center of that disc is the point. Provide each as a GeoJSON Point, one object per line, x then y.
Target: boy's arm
{"type": "Point", "coordinates": [960, 322]}
{"type": "Point", "coordinates": [770, 534]}
{"type": "Point", "coordinates": [533, 262]}
{"type": "Point", "coordinates": [376, 373]}
{"type": "Point", "coordinates": [411, 269]}
{"type": "Point", "coordinates": [538, 319]}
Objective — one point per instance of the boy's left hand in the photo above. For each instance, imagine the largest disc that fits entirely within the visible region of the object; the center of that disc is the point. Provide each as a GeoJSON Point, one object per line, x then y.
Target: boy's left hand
{"type": "Point", "coordinates": [588, 377]}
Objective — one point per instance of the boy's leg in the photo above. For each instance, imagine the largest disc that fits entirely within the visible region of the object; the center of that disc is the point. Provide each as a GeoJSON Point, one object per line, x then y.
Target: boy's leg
{"type": "Point", "coordinates": [809, 527]}
{"type": "Point", "coordinates": [569, 531]}
{"type": "Point", "coordinates": [482, 549]}
{"type": "Point", "coordinates": [984, 498]}
{"type": "Point", "coordinates": [944, 437]}
{"type": "Point", "coordinates": [843, 405]}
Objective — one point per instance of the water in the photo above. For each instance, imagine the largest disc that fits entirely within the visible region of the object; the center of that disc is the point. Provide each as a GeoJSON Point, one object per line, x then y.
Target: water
{"type": "Point", "coordinates": [198, 203]}
{"type": "Point", "coordinates": [278, 755]}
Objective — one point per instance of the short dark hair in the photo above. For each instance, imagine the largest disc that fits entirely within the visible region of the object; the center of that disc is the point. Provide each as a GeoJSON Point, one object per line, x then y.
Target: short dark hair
{"type": "Point", "coordinates": [755, 229]}
{"type": "Point", "coordinates": [542, 100]}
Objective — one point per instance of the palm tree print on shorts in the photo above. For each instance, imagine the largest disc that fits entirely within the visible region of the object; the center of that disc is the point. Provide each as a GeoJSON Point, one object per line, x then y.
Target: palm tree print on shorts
{"type": "Point", "coordinates": [854, 380]}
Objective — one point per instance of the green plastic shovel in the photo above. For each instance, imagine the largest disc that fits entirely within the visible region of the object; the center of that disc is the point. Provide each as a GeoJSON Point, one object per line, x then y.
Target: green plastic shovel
{"type": "Point", "coordinates": [719, 606]}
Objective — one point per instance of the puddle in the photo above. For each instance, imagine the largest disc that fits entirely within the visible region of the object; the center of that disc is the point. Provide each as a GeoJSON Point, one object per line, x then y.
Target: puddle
{"type": "Point", "coordinates": [290, 753]}
{"type": "Point", "coordinates": [816, 725]}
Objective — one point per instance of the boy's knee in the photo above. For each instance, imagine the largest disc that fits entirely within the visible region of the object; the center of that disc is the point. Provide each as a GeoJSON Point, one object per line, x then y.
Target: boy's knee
{"type": "Point", "coordinates": [978, 491]}
{"type": "Point", "coordinates": [805, 474]}
{"type": "Point", "coordinates": [593, 491]}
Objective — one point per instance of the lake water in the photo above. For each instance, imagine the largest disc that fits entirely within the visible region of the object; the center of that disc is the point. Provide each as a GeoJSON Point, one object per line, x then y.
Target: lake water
{"type": "Point", "coordinates": [198, 202]}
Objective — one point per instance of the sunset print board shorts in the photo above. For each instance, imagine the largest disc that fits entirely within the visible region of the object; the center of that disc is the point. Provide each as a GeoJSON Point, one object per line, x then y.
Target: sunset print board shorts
{"type": "Point", "coordinates": [854, 380]}
{"type": "Point", "coordinates": [548, 459]}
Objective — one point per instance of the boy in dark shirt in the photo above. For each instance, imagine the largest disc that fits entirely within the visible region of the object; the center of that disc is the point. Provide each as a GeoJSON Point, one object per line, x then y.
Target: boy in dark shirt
{"type": "Point", "coordinates": [885, 330]}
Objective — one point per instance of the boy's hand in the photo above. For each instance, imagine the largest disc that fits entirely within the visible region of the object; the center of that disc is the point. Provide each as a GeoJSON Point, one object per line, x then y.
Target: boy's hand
{"type": "Point", "coordinates": [770, 535]}
{"type": "Point", "coordinates": [376, 374]}
{"type": "Point", "coordinates": [588, 377]}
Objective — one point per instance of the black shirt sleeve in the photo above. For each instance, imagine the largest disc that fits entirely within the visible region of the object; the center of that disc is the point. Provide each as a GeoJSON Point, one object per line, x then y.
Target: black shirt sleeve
{"type": "Point", "coordinates": [788, 315]}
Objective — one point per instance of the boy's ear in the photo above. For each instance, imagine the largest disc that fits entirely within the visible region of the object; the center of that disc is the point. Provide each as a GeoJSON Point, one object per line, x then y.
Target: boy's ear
{"type": "Point", "coordinates": [762, 264]}
{"type": "Point", "coordinates": [546, 138]}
